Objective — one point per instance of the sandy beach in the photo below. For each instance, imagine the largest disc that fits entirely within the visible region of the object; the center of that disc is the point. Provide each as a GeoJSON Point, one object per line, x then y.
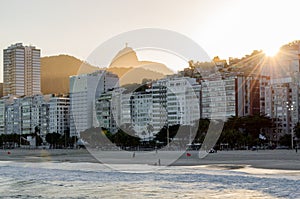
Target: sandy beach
{"type": "Point", "coordinates": [267, 159]}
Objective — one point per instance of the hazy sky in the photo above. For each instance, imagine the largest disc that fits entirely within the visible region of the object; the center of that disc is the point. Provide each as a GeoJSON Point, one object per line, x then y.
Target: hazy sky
{"type": "Point", "coordinates": [222, 27]}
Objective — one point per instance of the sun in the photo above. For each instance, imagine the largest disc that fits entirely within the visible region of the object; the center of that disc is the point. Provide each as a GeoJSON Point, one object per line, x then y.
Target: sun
{"type": "Point", "coordinates": [271, 52]}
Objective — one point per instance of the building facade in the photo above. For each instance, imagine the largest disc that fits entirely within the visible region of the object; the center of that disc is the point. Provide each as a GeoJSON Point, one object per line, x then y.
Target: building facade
{"type": "Point", "coordinates": [218, 98]}
{"type": "Point", "coordinates": [141, 113]}
{"type": "Point", "coordinates": [21, 70]}
{"type": "Point", "coordinates": [159, 104]}
{"type": "Point", "coordinates": [21, 115]}
{"type": "Point", "coordinates": [59, 114]}
{"type": "Point", "coordinates": [183, 100]}
{"type": "Point", "coordinates": [104, 112]}
{"type": "Point", "coordinates": [250, 94]}
{"type": "Point", "coordinates": [233, 95]}
{"type": "Point", "coordinates": [84, 90]}
{"type": "Point", "coordinates": [28, 114]}
{"type": "Point", "coordinates": [282, 104]}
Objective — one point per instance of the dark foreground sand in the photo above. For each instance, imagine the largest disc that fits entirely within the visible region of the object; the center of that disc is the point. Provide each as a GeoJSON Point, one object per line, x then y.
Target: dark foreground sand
{"type": "Point", "coordinates": [268, 159]}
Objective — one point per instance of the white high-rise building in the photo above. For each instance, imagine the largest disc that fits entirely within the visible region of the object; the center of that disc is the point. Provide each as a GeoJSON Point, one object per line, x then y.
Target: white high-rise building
{"type": "Point", "coordinates": [233, 95]}
{"type": "Point", "coordinates": [183, 101]}
{"type": "Point", "coordinates": [21, 75]}
{"type": "Point", "coordinates": [218, 99]}
{"type": "Point", "coordinates": [169, 101]}
{"type": "Point", "coordinates": [104, 113]}
{"type": "Point", "coordinates": [141, 113]}
{"type": "Point", "coordinates": [175, 100]}
{"type": "Point", "coordinates": [59, 114]}
{"type": "Point", "coordinates": [159, 104]}
{"type": "Point", "coordinates": [84, 90]}
{"type": "Point", "coordinates": [3, 102]}
{"type": "Point", "coordinates": [50, 114]}
{"type": "Point", "coordinates": [21, 115]}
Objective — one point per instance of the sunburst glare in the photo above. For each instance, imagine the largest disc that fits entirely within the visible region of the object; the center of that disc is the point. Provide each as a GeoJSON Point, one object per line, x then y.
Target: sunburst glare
{"type": "Point", "coordinates": [271, 52]}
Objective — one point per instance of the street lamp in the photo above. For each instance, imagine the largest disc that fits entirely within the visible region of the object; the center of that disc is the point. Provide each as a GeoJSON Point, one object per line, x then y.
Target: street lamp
{"type": "Point", "coordinates": [290, 108]}
{"type": "Point", "coordinates": [276, 122]}
{"type": "Point", "coordinates": [168, 134]}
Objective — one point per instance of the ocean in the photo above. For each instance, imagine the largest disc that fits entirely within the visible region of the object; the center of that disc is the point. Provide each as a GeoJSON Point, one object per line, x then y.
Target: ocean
{"type": "Point", "coordinates": [93, 180]}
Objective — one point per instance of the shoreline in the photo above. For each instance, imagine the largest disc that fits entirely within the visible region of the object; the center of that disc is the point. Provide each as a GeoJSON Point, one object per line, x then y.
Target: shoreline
{"type": "Point", "coordinates": [263, 159]}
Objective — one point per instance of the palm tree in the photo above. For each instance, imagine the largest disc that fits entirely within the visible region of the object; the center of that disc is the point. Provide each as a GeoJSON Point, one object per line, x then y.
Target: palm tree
{"type": "Point", "coordinates": [150, 129]}
{"type": "Point", "coordinates": [202, 130]}
{"type": "Point", "coordinates": [144, 135]}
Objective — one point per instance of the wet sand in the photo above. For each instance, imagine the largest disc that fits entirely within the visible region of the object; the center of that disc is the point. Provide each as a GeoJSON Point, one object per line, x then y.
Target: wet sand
{"type": "Point", "coordinates": [267, 159]}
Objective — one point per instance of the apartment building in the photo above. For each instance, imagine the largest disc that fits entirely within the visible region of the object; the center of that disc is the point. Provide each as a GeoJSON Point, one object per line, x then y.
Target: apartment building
{"type": "Point", "coordinates": [21, 70]}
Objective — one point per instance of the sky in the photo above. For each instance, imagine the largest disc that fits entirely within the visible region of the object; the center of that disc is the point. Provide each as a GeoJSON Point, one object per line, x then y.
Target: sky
{"type": "Point", "coordinates": [227, 28]}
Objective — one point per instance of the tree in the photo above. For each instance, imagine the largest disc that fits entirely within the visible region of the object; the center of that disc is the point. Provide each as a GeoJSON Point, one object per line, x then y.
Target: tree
{"type": "Point", "coordinates": [108, 134]}
{"type": "Point", "coordinates": [144, 135]}
{"type": "Point", "coordinates": [285, 140]}
{"type": "Point", "coordinates": [53, 139]}
{"type": "Point", "coordinates": [150, 129]}
{"type": "Point", "coordinates": [122, 139]}
{"type": "Point", "coordinates": [234, 122]}
{"type": "Point", "coordinates": [249, 126]}
{"type": "Point", "coordinates": [297, 130]}
{"type": "Point", "coordinates": [162, 135]}
{"type": "Point", "coordinates": [128, 128]}
{"type": "Point", "coordinates": [192, 65]}
{"type": "Point", "coordinates": [233, 138]}
{"type": "Point", "coordinates": [9, 140]}
{"type": "Point", "coordinates": [38, 139]}
{"type": "Point", "coordinates": [254, 125]}
{"type": "Point", "coordinates": [66, 140]}
{"type": "Point", "coordinates": [202, 130]}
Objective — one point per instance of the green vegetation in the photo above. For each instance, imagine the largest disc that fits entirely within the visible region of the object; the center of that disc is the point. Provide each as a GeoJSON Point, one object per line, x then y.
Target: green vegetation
{"type": "Point", "coordinates": [13, 140]}
{"type": "Point", "coordinates": [243, 132]}
{"type": "Point", "coordinates": [55, 140]}
{"type": "Point", "coordinates": [101, 137]}
{"type": "Point", "coordinates": [58, 141]}
{"type": "Point", "coordinates": [238, 133]}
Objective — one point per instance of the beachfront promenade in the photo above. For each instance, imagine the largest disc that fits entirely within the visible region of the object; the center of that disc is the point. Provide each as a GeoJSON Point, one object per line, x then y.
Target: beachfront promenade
{"type": "Point", "coordinates": [269, 159]}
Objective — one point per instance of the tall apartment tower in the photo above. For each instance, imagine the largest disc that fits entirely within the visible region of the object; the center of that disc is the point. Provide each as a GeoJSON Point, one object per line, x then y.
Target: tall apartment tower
{"type": "Point", "coordinates": [22, 70]}
{"type": "Point", "coordinates": [85, 89]}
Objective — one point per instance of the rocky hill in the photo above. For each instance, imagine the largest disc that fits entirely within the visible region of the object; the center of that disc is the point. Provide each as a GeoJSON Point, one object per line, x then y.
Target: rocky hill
{"type": "Point", "coordinates": [56, 70]}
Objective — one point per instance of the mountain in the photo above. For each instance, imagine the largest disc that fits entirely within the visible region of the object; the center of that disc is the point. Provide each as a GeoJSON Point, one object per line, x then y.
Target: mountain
{"type": "Point", "coordinates": [134, 75]}
{"type": "Point", "coordinates": [127, 58]}
{"type": "Point", "coordinates": [55, 72]}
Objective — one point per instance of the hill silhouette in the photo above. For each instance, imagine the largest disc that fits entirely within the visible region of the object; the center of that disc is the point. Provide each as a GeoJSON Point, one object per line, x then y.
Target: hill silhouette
{"type": "Point", "coordinates": [127, 58]}
{"type": "Point", "coordinates": [55, 72]}
{"type": "Point", "coordinates": [134, 75]}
